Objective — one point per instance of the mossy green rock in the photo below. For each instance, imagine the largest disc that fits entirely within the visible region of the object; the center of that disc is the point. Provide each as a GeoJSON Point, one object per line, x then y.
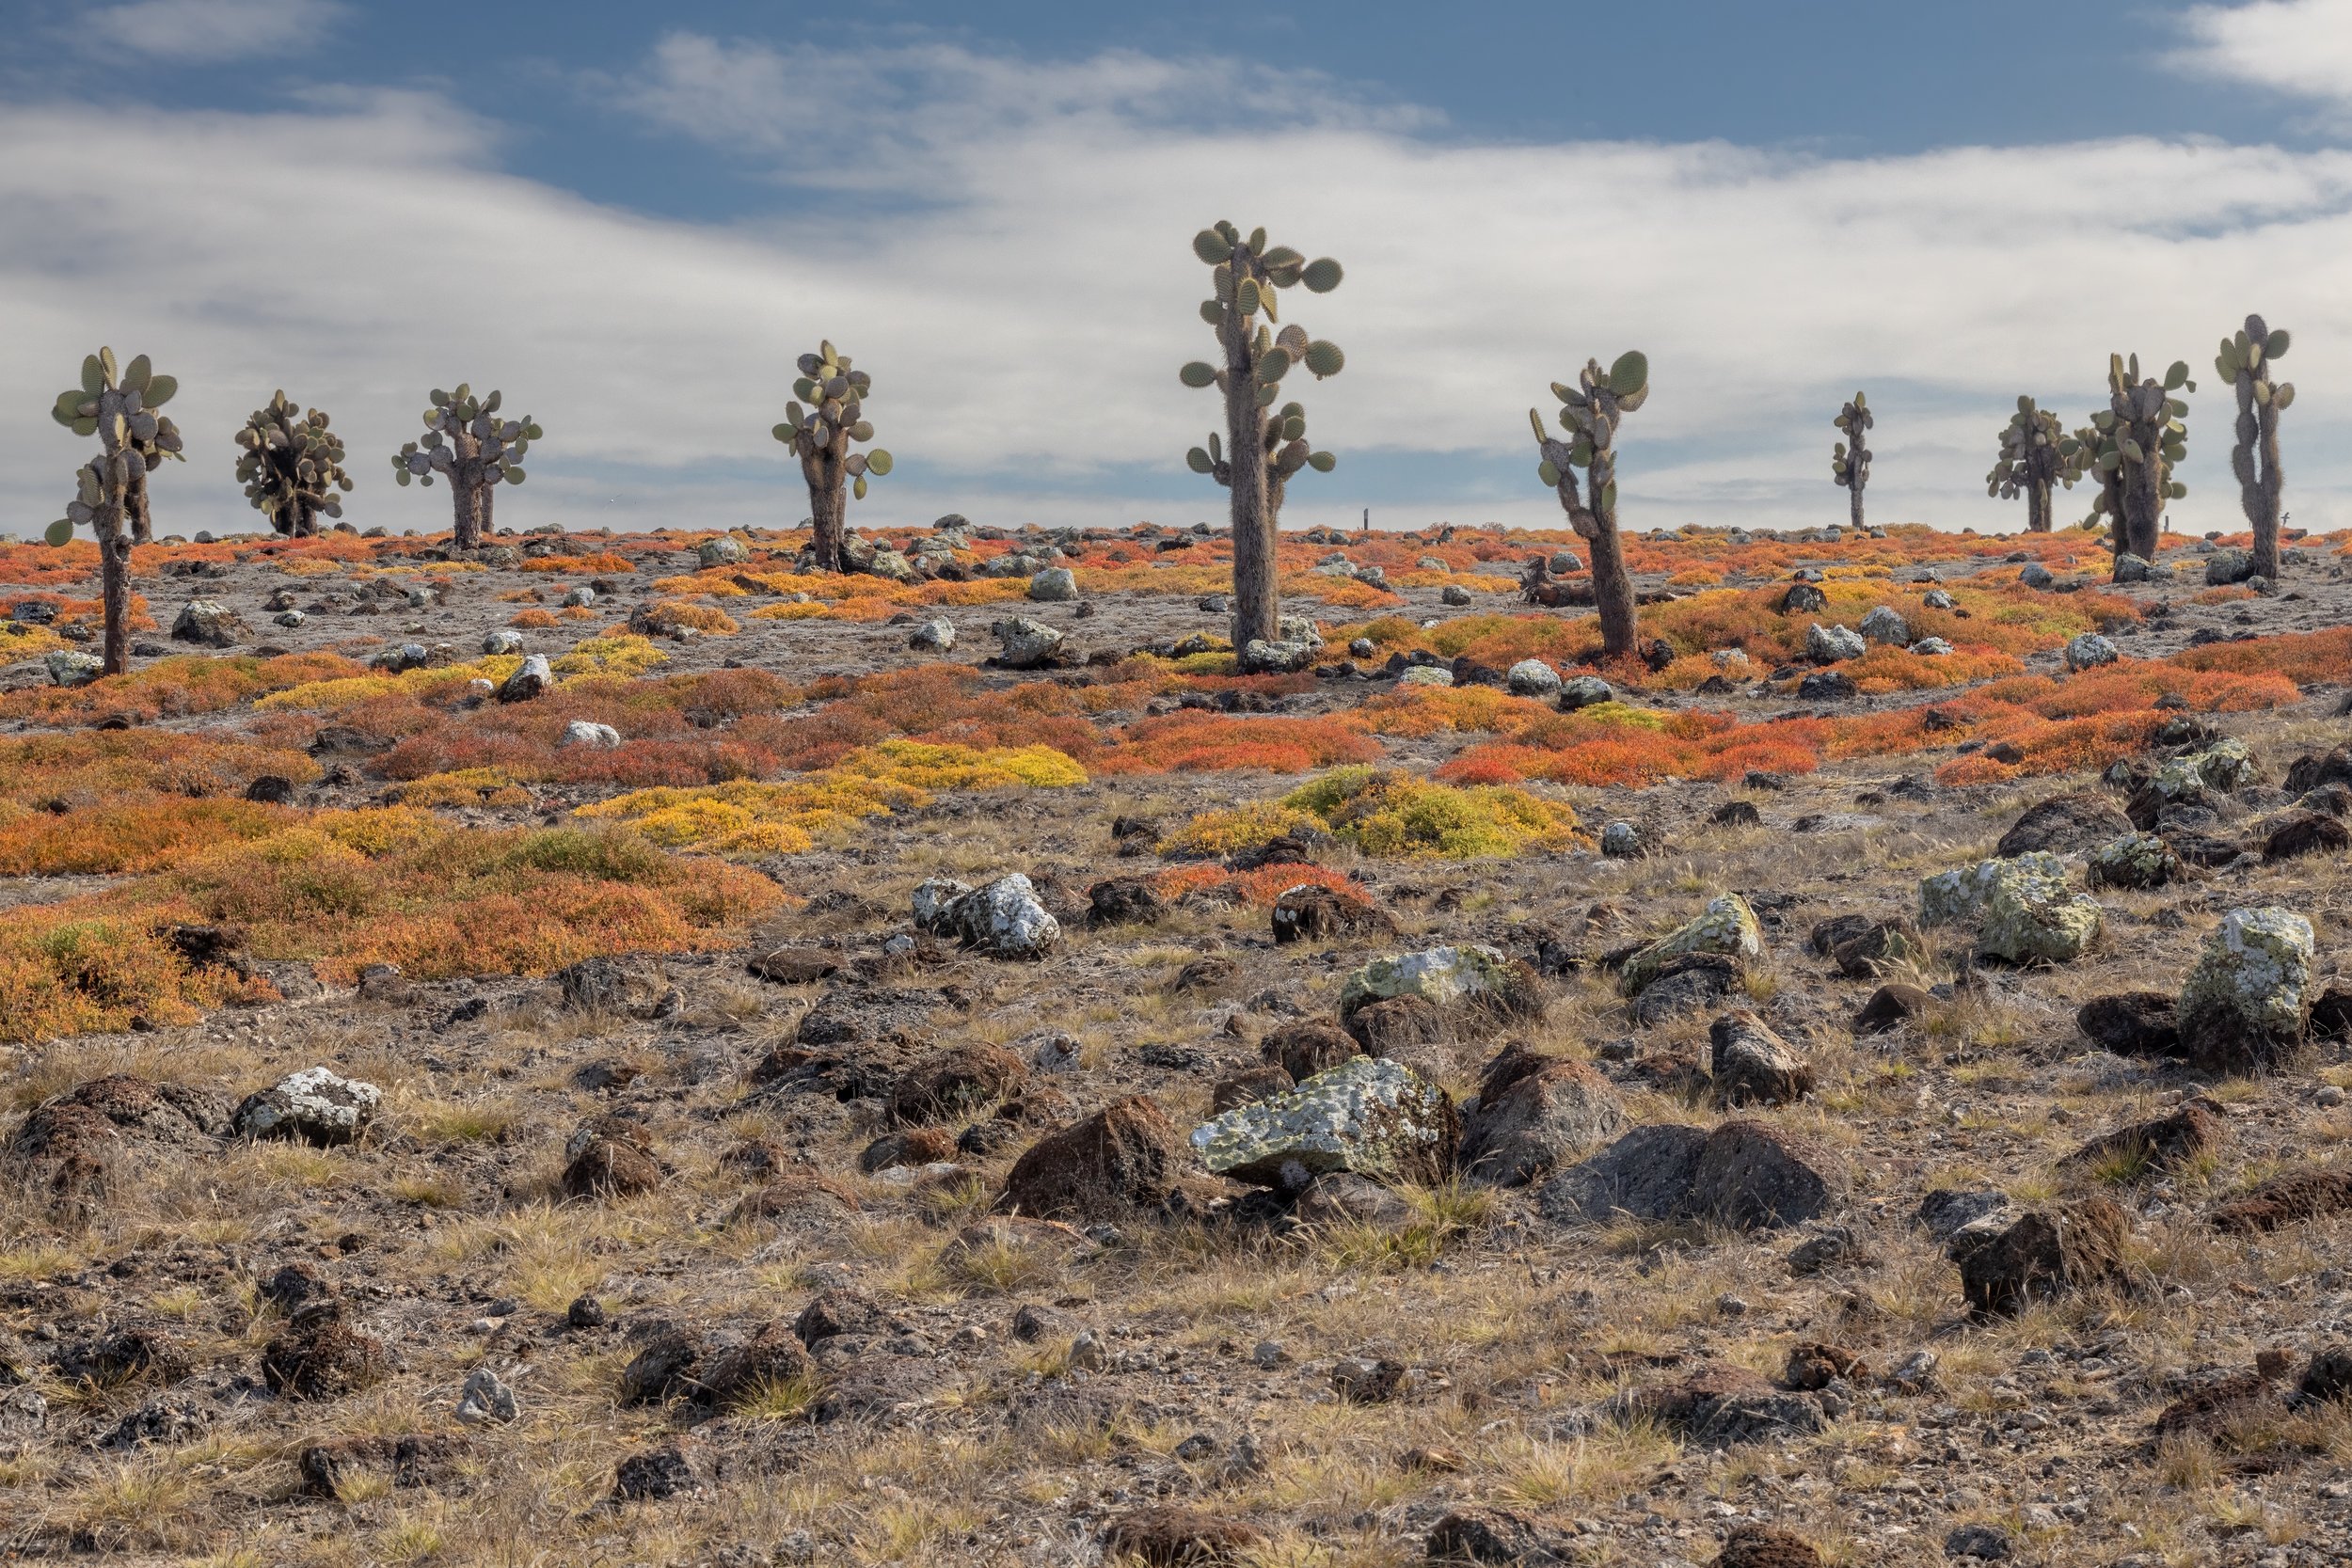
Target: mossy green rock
{"type": "Point", "coordinates": [2135, 861]}
{"type": "Point", "coordinates": [1960, 897]}
{"type": "Point", "coordinates": [2032, 916]}
{"type": "Point", "coordinates": [2224, 766]}
{"type": "Point", "coordinates": [1443, 976]}
{"type": "Point", "coordinates": [1725, 926]}
{"type": "Point", "coordinates": [2248, 1002]}
{"type": "Point", "coordinates": [1367, 1116]}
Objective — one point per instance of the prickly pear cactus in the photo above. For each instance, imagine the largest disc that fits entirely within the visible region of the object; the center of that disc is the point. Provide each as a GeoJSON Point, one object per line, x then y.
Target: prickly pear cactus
{"type": "Point", "coordinates": [2245, 362]}
{"type": "Point", "coordinates": [1850, 466]}
{"type": "Point", "coordinates": [1259, 450]}
{"type": "Point", "coordinates": [1590, 412]}
{"type": "Point", "coordinates": [116, 404]}
{"type": "Point", "coordinates": [821, 435]}
{"type": "Point", "coordinates": [2036, 454]}
{"type": "Point", "coordinates": [2137, 441]}
{"type": "Point", "coordinates": [292, 466]}
{"type": "Point", "coordinates": [467, 444]}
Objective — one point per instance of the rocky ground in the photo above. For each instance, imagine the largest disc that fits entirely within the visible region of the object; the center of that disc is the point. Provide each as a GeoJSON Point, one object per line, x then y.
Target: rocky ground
{"type": "Point", "coordinates": [1730, 1198]}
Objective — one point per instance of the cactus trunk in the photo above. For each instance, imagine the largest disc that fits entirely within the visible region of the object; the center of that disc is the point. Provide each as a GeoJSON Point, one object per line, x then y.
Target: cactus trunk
{"type": "Point", "coordinates": [1612, 587]}
{"type": "Point", "coordinates": [1854, 506]}
{"type": "Point", "coordinates": [2261, 496]}
{"type": "Point", "coordinates": [2142, 523]}
{"type": "Point", "coordinates": [828, 511]}
{"type": "Point", "coordinates": [2038, 507]}
{"type": "Point", "coordinates": [142, 522]}
{"type": "Point", "coordinates": [113, 556]}
{"type": "Point", "coordinates": [1257, 604]}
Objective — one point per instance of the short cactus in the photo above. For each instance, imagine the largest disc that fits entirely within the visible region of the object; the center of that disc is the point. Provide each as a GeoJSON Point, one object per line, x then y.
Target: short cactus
{"type": "Point", "coordinates": [1851, 467]}
{"type": "Point", "coordinates": [2037, 453]}
{"type": "Point", "coordinates": [116, 403]}
{"type": "Point", "coordinates": [821, 435]}
{"type": "Point", "coordinates": [468, 445]}
{"type": "Point", "coordinates": [1260, 450]}
{"type": "Point", "coordinates": [2245, 362]}
{"type": "Point", "coordinates": [1589, 412]}
{"type": "Point", "coordinates": [292, 466]}
{"type": "Point", "coordinates": [2137, 440]}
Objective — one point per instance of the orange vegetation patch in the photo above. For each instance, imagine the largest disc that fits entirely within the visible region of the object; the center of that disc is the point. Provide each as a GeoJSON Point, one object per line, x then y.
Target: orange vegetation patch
{"type": "Point", "coordinates": [130, 800]}
{"type": "Point", "coordinates": [534, 620]}
{"type": "Point", "coordinates": [175, 687]}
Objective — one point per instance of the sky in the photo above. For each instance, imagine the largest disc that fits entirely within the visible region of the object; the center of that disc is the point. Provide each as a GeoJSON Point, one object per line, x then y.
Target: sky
{"type": "Point", "coordinates": [632, 219]}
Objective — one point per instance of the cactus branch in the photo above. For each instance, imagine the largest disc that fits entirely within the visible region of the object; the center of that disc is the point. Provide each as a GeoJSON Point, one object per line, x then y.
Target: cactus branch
{"type": "Point", "coordinates": [2246, 363]}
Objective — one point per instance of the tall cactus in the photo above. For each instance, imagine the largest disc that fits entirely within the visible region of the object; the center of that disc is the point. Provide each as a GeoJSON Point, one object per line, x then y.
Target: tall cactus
{"type": "Point", "coordinates": [1258, 455]}
{"type": "Point", "coordinates": [292, 465]}
{"type": "Point", "coordinates": [1851, 468]}
{"type": "Point", "coordinates": [2036, 454]}
{"type": "Point", "coordinates": [2141, 438]}
{"type": "Point", "coordinates": [1589, 412]}
{"type": "Point", "coordinates": [466, 444]}
{"type": "Point", "coordinates": [2245, 362]}
{"type": "Point", "coordinates": [821, 435]}
{"type": "Point", "coordinates": [116, 403]}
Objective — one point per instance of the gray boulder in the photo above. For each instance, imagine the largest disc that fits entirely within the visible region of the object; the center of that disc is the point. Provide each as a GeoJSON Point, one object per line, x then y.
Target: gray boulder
{"type": "Point", "coordinates": [1883, 625]}
{"type": "Point", "coordinates": [1726, 925]}
{"type": "Point", "coordinates": [73, 667]}
{"type": "Point", "coordinates": [2245, 1006]}
{"type": "Point", "coordinates": [2032, 916]}
{"type": "Point", "coordinates": [590, 736]}
{"type": "Point", "coordinates": [209, 623]}
{"type": "Point", "coordinates": [1746, 1175]}
{"type": "Point", "coordinates": [2090, 651]}
{"type": "Point", "coordinates": [1023, 643]}
{"type": "Point", "coordinates": [1531, 677]}
{"type": "Point", "coordinates": [1526, 1126]}
{"type": "Point", "coordinates": [534, 677]}
{"type": "Point", "coordinates": [1054, 585]}
{"type": "Point", "coordinates": [1367, 1116]}
{"type": "Point", "coordinates": [1833, 644]}
{"type": "Point", "coordinates": [1753, 1066]}
{"type": "Point", "coordinates": [1585, 691]}
{"type": "Point", "coordinates": [1004, 918]}
{"type": "Point", "coordinates": [314, 1105]}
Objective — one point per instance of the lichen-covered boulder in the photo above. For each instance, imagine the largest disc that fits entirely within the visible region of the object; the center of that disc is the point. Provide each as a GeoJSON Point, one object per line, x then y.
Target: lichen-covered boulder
{"type": "Point", "coordinates": [314, 1105]}
{"type": "Point", "coordinates": [1024, 643]}
{"type": "Point", "coordinates": [2032, 916]}
{"type": "Point", "coordinates": [503, 640]}
{"type": "Point", "coordinates": [73, 667]}
{"type": "Point", "coordinates": [1621, 841]}
{"type": "Point", "coordinates": [1885, 625]}
{"type": "Point", "coordinates": [1004, 918]}
{"type": "Point", "coordinates": [1833, 644]}
{"type": "Point", "coordinates": [1726, 925]}
{"type": "Point", "coordinates": [2246, 1005]}
{"type": "Point", "coordinates": [726, 550]}
{"type": "Point", "coordinates": [2090, 651]}
{"type": "Point", "coordinates": [1531, 677]}
{"type": "Point", "coordinates": [2224, 766]}
{"type": "Point", "coordinates": [1585, 691]}
{"type": "Point", "coordinates": [2226, 566]}
{"type": "Point", "coordinates": [1931, 647]}
{"type": "Point", "coordinates": [1959, 898]}
{"type": "Point", "coordinates": [1446, 977]}
{"type": "Point", "coordinates": [1367, 1116]}
{"type": "Point", "coordinates": [589, 735]}
{"type": "Point", "coordinates": [934, 637]}
{"type": "Point", "coordinates": [2134, 861]}
{"type": "Point", "coordinates": [1054, 585]}
{"type": "Point", "coordinates": [532, 676]}
{"type": "Point", "coordinates": [208, 622]}
{"type": "Point", "coordinates": [1426, 675]}
{"type": "Point", "coordinates": [1936, 598]}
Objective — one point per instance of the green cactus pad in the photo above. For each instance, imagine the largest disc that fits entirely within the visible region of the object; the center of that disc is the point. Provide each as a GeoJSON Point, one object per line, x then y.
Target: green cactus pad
{"type": "Point", "coordinates": [2275, 346]}
{"type": "Point", "coordinates": [1199, 462]}
{"type": "Point", "coordinates": [1321, 462]}
{"type": "Point", "coordinates": [1198, 374]}
{"type": "Point", "coordinates": [1629, 373]}
{"type": "Point", "coordinates": [1212, 312]}
{"type": "Point", "coordinates": [859, 488]}
{"type": "Point", "coordinates": [1321, 275]}
{"type": "Point", "coordinates": [1550, 475]}
{"type": "Point", "coordinates": [1246, 298]}
{"type": "Point", "coordinates": [1324, 358]}
{"type": "Point", "coordinates": [59, 532]}
{"type": "Point", "coordinates": [878, 462]}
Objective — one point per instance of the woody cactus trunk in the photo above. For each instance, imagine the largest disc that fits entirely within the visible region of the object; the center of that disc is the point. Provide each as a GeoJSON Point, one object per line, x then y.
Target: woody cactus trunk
{"type": "Point", "coordinates": [821, 435]}
{"type": "Point", "coordinates": [116, 403]}
{"type": "Point", "coordinates": [2036, 454]}
{"type": "Point", "coordinates": [1258, 454]}
{"type": "Point", "coordinates": [292, 466]}
{"type": "Point", "coordinates": [1589, 412]}
{"type": "Point", "coordinates": [466, 443]}
{"type": "Point", "coordinates": [2139, 437]}
{"type": "Point", "coordinates": [2245, 362]}
{"type": "Point", "coordinates": [1850, 468]}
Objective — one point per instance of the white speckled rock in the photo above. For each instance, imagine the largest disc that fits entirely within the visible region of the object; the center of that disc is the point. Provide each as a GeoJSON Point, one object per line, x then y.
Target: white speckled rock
{"type": "Point", "coordinates": [534, 677]}
{"type": "Point", "coordinates": [1883, 624]}
{"type": "Point", "coordinates": [314, 1105]}
{"type": "Point", "coordinates": [1959, 898]}
{"type": "Point", "coordinates": [1054, 585]}
{"type": "Point", "coordinates": [1726, 925]}
{"type": "Point", "coordinates": [1426, 675]}
{"type": "Point", "coordinates": [1585, 691]}
{"type": "Point", "coordinates": [934, 637]}
{"type": "Point", "coordinates": [1444, 976]}
{"type": "Point", "coordinates": [1931, 647]}
{"type": "Point", "coordinates": [73, 667]}
{"type": "Point", "coordinates": [2246, 1005]}
{"type": "Point", "coordinates": [726, 550]}
{"type": "Point", "coordinates": [1936, 598]}
{"type": "Point", "coordinates": [2032, 916]}
{"type": "Point", "coordinates": [1833, 644]}
{"type": "Point", "coordinates": [2090, 651]}
{"type": "Point", "coordinates": [1368, 1117]}
{"type": "Point", "coordinates": [1003, 918]}
{"type": "Point", "coordinates": [2134, 861]}
{"type": "Point", "coordinates": [1023, 643]}
{"type": "Point", "coordinates": [2224, 766]}
{"type": "Point", "coordinates": [580, 597]}
{"type": "Point", "coordinates": [503, 642]}
{"type": "Point", "coordinates": [594, 736]}
{"type": "Point", "coordinates": [1621, 841]}
{"type": "Point", "coordinates": [1531, 677]}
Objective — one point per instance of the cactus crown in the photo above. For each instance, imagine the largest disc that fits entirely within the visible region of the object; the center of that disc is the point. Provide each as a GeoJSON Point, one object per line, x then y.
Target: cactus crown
{"type": "Point", "coordinates": [116, 404]}
{"type": "Point", "coordinates": [1589, 412]}
{"type": "Point", "coordinates": [2035, 451]}
{"type": "Point", "coordinates": [822, 431]}
{"type": "Point", "coordinates": [2143, 422]}
{"type": "Point", "coordinates": [1247, 276]}
{"type": "Point", "coordinates": [2249, 356]}
{"type": "Point", "coordinates": [292, 464]}
{"type": "Point", "coordinates": [1851, 468]}
{"type": "Point", "coordinates": [464, 439]}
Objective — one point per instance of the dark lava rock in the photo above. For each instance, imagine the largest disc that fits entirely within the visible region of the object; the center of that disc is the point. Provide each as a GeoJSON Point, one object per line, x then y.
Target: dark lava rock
{"type": "Point", "coordinates": [2040, 1256]}
{"type": "Point", "coordinates": [2065, 825]}
{"type": "Point", "coordinates": [1125, 1157]}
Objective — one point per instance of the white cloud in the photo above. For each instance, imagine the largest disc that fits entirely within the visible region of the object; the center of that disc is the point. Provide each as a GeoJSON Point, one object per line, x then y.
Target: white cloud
{"type": "Point", "coordinates": [2302, 47]}
{"type": "Point", "coordinates": [1023, 290]}
{"type": "Point", "coordinates": [212, 31]}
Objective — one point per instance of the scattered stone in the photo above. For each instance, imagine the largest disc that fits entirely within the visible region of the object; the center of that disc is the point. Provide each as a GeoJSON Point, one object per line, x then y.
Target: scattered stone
{"type": "Point", "coordinates": [1536, 1115]}
{"type": "Point", "coordinates": [2089, 651]}
{"type": "Point", "coordinates": [1727, 926]}
{"type": "Point", "coordinates": [1024, 643]}
{"type": "Point", "coordinates": [210, 624]}
{"type": "Point", "coordinates": [2165, 1142]}
{"type": "Point", "coordinates": [2226, 567]}
{"type": "Point", "coordinates": [1883, 625]}
{"type": "Point", "coordinates": [2246, 1007]}
{"type": "Point", "coordinates": [589, 737]}
{"type": "Point", "coordinates": [71, 1146]}
{"type": "Point", "coordinates": [2136, 861]}
{"type": "Point", "coordinates": [934, 637]}
{"type": "Point", "coordinates": [1767, 1546]}
{"type": "Point", "coordinates": [609, 1157]}
{"type": "Point", "coordinates": [485, 1399]}
{"type": "Point", "coordinates": [2132, 1024]}
{"type": "Point", "coordinates": [1054, 585]}
{"type": "Point", "coordinates": [1890, 1007]}
{"type": "Point", "coordinates": [73, 667]}
{"type": "Point", "coordinates": [323, 1357]}
{"type": "Point", "coordinates": [634, 987]}
{"type": "Point", "coordinates": [2065, 824]}
{"type": "Point", "coordinates": [2032, 917]}
{"type": "Point", "coordinates": [313, 1105]}
{"type": "Point", "coordinates": [1125, 1158]}
{"type": "Point", "coordinates": [945, 1086]}
{"type": "Point", "coordinates": [1531, 677]}
{"type": "Point", "coordinates": [1721, 1407]}
{"type": "Point", "coordinates": [1247, 1086]}
{"type": "Point", "coordinates": [1753, 1066]}
{"type": "Point", "coordinates": [1124, 901]}
{"type": "Point", "coordinates": [1308, 1046]}
{"type": "Point", "coordinates": [534, 677]}
{"type": "Point", "coordinates": [1985, 1543]}
{"type": "Point", "coordinates": [1468, 976]}
{"type": "Point", "coordinates": [2287, 1199]}
{"type": "Point", "coordinates": [1833, 644]}
{"type": "Point", "coordinates": [2304, 832]}
{"type": "Point", "coordinates": [1004, 918]}
{"type": "Point", "coordinates": [1747, 1175]}
{"type": "Point", "coordinates": [407, 1461]}
{"type": "Point", "coordinates": [1878, 946]}
{"type": "Point", "coordinates": [668, 1468]}
{"type": "Point", "coordinates": [1622, 841]}
{"type": "Point", "coordinates": [1580, 691]}
{"type": "Point", "coordinates": [1313, 913]}
{"type": "Point", "coordinates": [2040, 1256]}
{"type": "Point", "coordinates": [1163, 1536]}
{"type": "Point", "coordinates": [1803, 598]}
{"type": "Point", "coordinates": [1367, 1116]}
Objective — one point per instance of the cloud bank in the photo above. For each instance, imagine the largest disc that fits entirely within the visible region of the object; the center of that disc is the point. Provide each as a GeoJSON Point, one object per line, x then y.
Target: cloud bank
{"type": "Point", "coordinates": [1010, 257]}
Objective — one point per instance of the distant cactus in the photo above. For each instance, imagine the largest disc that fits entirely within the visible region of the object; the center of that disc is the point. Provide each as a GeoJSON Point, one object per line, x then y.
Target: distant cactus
{"type": "Point", "coordinates": [292, 465]}
{"type": "Point", "coordinates": [821, 435]}
{"type": "Point", "coordinates": [2036, 454]}
{"type": "Point", "coordinates": [466, 444]}
{"type": "Point", "coordinates": [1589, 413]}
{"type": "Point", "coordinates": [1851, 468]}
{"type": "Point", "coordinates": [2245, 362]}
{"type": "Point", "coordinates": [117, 406]}
{"type": "Point", "coordinates": [2137, 440]}
{"type": "Point", "coordinates": [1258, 454]}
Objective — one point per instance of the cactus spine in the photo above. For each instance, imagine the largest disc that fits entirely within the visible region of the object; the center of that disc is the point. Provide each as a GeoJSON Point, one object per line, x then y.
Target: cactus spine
{"type": "Point", "coordinates": [2036, 454]}
{"type": "Point", "coordinates": [1852, 469]}
{"type": "Point", "coordinates": [116, 403]}
{"type": "Point", "coordinates": [2137, 440]}
{"type": "Point", "coordinates": [821, 435]}
{"type": "Point", "coordinates": [2245, 362]}
{"type": "Point", "coordinates": [468, 445]}
{"type": "Point", "coordinates": [292, 465]}
{"type": "Point", "coordinates": [1589, 412]}
{"type": "Point", "coordinates": [1259, 454]}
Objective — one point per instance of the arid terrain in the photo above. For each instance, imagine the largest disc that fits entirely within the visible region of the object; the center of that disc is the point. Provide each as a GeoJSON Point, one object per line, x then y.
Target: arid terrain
{"type": "Point", "coordinates": [694, 1177]}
